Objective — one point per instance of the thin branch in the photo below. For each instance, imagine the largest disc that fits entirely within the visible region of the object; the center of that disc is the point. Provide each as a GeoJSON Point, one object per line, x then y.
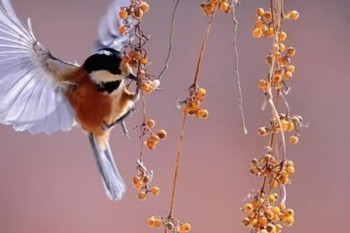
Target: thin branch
{"type": "Point", "coordinates": [172, 25]}
{"type": "Point", "coordinates": [177, 165]}
{"type": "Point", "coordinates": [204, 43]}
{"type": "Point", "coordinates": [240, 95]}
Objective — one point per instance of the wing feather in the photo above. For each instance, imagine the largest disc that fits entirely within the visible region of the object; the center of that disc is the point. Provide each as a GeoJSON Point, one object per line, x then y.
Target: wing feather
{"type": "Point", "coordinates": [31, 96]}
{"type": "Point", "coordinates": [108, 33]}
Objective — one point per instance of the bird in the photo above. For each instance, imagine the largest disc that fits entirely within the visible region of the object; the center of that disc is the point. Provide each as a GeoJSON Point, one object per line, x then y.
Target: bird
{"type": "Point", "coordinates": [40, 93]}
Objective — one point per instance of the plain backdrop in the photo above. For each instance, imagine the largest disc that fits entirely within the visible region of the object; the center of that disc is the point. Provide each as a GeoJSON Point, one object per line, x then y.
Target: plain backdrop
{"type": "Point", "coordinates": [51, 183]}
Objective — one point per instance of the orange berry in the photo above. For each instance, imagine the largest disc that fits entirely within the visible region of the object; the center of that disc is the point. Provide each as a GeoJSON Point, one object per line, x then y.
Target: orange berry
{"type": "Point", "coordinates": [278, 78]}
{"type": "Point", "coordinates": [150, 221]}
{"type": "Point", "coordinates": [262, 221]}
{"type": "Point", "coordinates": [123, 14]}
{"type": "Point", "coordinates": [282, 36]}
{"type": "Point", "coordinates": [224, 6]}
{"type": "Point", "coordinates": [154, 138]}
{"type": "Point", "coordinates": [282, 207]}
{"type": "Point", "coordinates": [290, 126]}
{"type": "Point", "coordinates": [271, 228]}
{"type": "Point", "coordinates": [294, 140]}
{"type": "Point", "coordinates": [263, 131]}
{"type": "Point", "coordinates": [279, 228]}
{"type": "Point", "coordinates": [185, 227]}
{"type": "Point", "coordinates": [284, 179]}
{"type": "Point", "coordinates": [288, 75]}
{"type": "Point", "coordinates": [269, 59]}
{"type": "Point", "coordinates": [284, 125]}
{"type": "Point", "coordinates": [290, 163]}
{"type": "Point", "coordinates": [150, 123]}
{"type": "Point", "coordinates": [122, 29]}
{"type": "Point", "coordinates": [169, 225]}
{"type": "Point", "coordinates": [162, 134]}
{"type": "Point", "coordinates": [144, 60]}
{"type": "Point", "coordinates": [246, 221]}
{"type": "Point", "coordinates": [138, 186]}
{"type": "Point", "coordinates": [257, 33]}
{"type": "Point", "coordinates": [281, 47]}
{"type": "Point", "coordinates": [276, 210]}
{"type": "Point", "coordinates": [138, 14]}
{"type": "Point", "coordinates": [136, 180]}
{"type": "Point", "coordinates": [291, 68]}
{"type": "Point", "coordinates": [157, 222]}
{"type": "Point", "coordinates": [201, 92]}
{"type": "Point", "coordinates": [260, 12]}
{"type": "Point", "coordinates": [267, 15]}
{"type": "Point", "coordinates": [144, 6]}
{"type": "Point", "coordinates": [150, 145]}
{"type": "Point", "coordinates": [294, 15]}
{"type": "Point", "coordinates": [155, 190]}
{"type": "Point", "coordinates": [142, 195]}
{"type": "Point", "coordinates": [262, 83]}
{"type": "Point", "coordinates": [289, 212]}
{"type": "Point", "coordinates": [210, 7]}
{"type": "Point", "coordinates": [259, 24]}
{"type": "Point", "coordinates": [248, 207]}
{"type": "Point", "coordinates": [202, 114]}
{"type": "Point", "coordinates": [269, 32]}
{"type": "Point", "coordinates": [290, 170]}
{"type": "Point", "coordinates": [288, 221]}
{"type": "Point", "coordinates": [291, 51]}
{"type": "Point", "coordinates": [146, 179]}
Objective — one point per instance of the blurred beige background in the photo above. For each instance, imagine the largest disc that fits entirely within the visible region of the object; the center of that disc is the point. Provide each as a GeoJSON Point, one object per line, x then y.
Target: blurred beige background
{"type": "Point", "coordinates": [51, 183]}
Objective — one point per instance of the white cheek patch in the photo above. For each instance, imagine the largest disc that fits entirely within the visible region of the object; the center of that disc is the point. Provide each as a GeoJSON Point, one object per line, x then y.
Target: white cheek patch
{"type": "Point", "coordinates": [104, 76]}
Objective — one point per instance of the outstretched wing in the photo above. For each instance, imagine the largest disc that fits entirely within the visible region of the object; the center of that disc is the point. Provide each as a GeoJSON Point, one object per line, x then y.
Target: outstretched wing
{"type": "Point", "coordinates": [108, 33]}
{"type": "Point", "coordinates": [31, 95]}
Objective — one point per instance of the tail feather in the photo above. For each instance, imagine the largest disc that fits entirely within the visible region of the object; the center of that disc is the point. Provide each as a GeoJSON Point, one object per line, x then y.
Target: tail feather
{"type": "Point", "coordinates": [112, 180]}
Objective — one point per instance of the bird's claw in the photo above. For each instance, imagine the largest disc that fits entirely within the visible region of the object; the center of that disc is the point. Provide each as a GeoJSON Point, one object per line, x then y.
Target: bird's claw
{"type": "Point", "coordinates": [120, 121]}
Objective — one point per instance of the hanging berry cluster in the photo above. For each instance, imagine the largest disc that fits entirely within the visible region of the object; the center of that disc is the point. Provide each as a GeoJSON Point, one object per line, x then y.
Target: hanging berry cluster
{"type": "Point", "coordinates": [267, 212]}
{"type": "Point", "coordinates": [135, 55]}
{"type": "Point", "coordinates": [142, 180]}
{"type": "Point", "coordinates": [210, 6]}
{"type": "Point", "coordinates": [191, 106]}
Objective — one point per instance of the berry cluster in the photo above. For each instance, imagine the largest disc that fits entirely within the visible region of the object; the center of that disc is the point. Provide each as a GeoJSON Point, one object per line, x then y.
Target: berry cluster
{"type": "Point", "coordinates": [265, 216]}
{"type": "Point", "coordinates": [275, 172]}
{"type": "Point", "coordinates": [191, 106]}
{"type": "Point", "coordinates": [288, 124]}
{"type": "Point", "coordinates": [210, 6]}
{"type": "Point", "coordinates": [170, 224]}
{"type": "Point", "coordinates": [142, 180]}
{"type": "Point", "coordinates": [152, 138]}
{"type": "Point", "coordinates": [135, 54]}
{"type": "Point", "coordinates": [136, 10]}
{"type": "Point", "coordinates": [266, 213]}
{"type": "Point", "coordinates": [264, 26]}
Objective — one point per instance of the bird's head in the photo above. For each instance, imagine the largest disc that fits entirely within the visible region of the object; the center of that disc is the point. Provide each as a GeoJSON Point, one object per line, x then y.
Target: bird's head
{"type": "Point", "coordinates": [107, 65]}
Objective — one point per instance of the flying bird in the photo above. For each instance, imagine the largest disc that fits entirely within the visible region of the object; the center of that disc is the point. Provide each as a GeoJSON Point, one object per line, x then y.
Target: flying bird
{"type": "Point", "coordinates": [40, 93]}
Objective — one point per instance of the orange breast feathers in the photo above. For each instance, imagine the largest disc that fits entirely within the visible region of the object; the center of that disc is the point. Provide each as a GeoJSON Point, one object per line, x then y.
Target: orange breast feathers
{"type": "Point", "coordinates": [94, 108]}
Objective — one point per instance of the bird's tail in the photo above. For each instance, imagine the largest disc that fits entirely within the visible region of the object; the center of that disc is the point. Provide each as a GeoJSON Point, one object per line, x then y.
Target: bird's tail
{"type": "Point", "coordinates": [112, 180]}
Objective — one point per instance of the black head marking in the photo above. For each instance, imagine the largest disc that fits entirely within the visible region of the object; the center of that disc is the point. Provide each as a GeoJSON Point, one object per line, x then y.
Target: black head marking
{"type": "Point", "coordinates": [108, 86]}
{"type": "Point", "coordinates": [104, 59]}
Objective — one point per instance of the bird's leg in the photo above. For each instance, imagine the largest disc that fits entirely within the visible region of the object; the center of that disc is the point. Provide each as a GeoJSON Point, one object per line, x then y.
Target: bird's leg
{"type": "Point", "coordinates": [121, 121]}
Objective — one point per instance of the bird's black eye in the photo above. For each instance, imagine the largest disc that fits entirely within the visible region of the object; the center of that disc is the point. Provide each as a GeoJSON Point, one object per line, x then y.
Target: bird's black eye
{"type": "Point", "coordinates": [104, 59]}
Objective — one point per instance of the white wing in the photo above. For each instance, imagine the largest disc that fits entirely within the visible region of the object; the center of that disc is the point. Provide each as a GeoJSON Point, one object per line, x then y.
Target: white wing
{"type": "Point", "coordinates": [108, 33]}
{"type": "Point", "coordinates": [31, 98]}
